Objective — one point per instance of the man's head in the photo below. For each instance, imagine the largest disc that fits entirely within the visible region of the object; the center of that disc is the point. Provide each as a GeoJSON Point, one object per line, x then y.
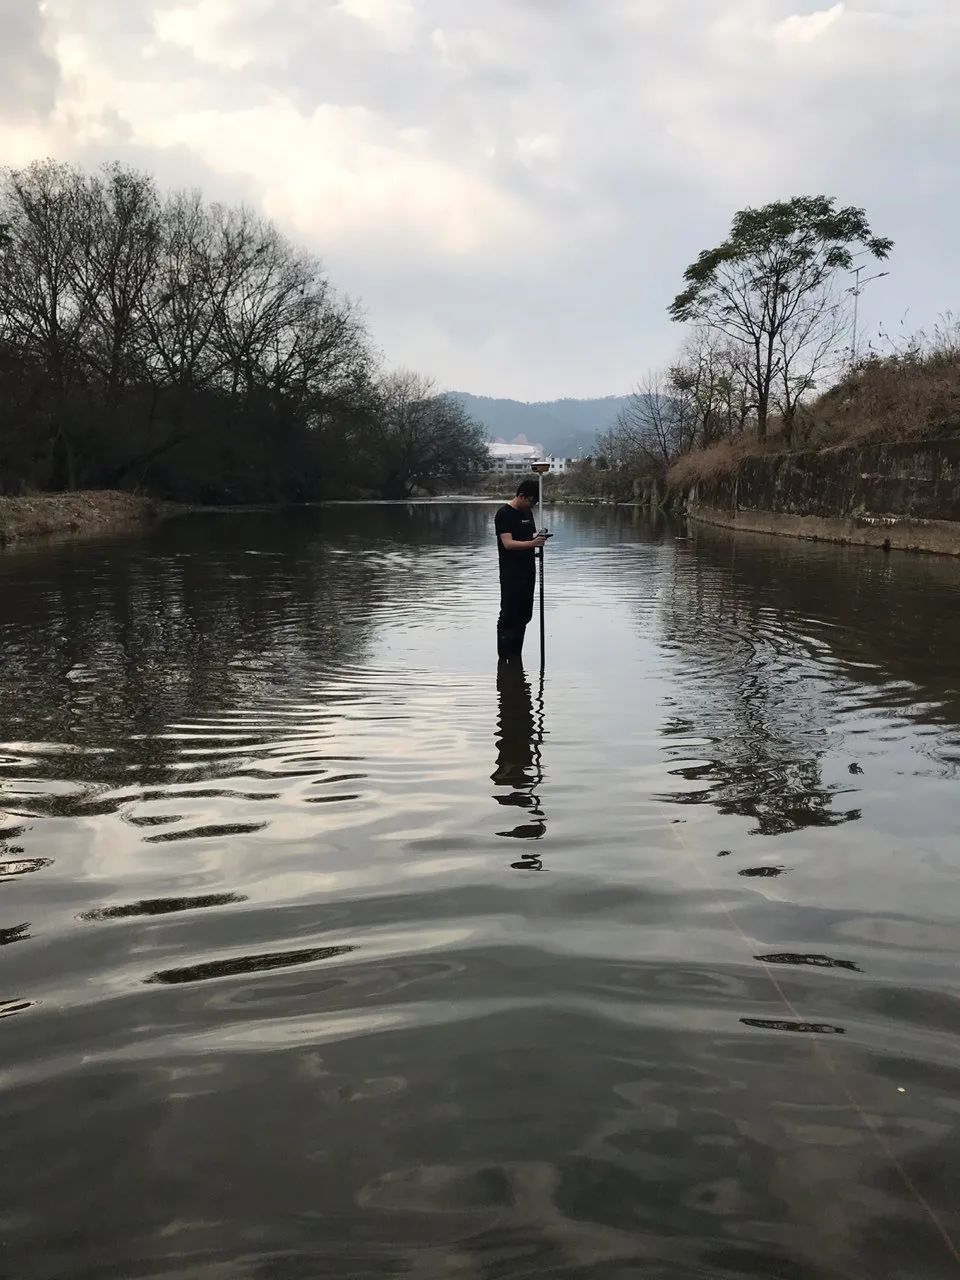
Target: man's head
{"type": "Point", "coordinates": [528, 493]}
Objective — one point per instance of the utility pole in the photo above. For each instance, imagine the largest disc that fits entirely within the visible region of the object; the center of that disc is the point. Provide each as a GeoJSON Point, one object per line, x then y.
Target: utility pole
{"type": "Point", "coordinates": [857, 289]}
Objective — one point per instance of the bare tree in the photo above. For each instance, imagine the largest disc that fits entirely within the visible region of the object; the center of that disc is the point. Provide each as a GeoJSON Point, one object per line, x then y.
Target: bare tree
{"type": "Point", "coordinates": [164, 341]}
{"type": "Point", "coordinates": [807, 352]}
{"type": "Point", "coordinates": [44, 313]}
{"type": "Point", "coordinates": [181, 308]}
{"type": "Point", "coordinates": [711, 372]}
{"type": "Point", "coordinates": [117, 242]}
{"type": "Point", "coordinates": [420, 436]}
{"type": "Point", "coordinates": [664, 417]}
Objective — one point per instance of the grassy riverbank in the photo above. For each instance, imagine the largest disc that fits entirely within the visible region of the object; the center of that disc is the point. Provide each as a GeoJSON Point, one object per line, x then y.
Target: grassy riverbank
{"type": "Point", "coordinates": [89, 512]}
{"type": "Point", "coordinates": [910, 396]}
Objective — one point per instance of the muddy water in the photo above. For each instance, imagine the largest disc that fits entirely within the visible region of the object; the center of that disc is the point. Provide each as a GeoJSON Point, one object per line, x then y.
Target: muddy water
{"type": "Point", "coordinates": [327, 950]}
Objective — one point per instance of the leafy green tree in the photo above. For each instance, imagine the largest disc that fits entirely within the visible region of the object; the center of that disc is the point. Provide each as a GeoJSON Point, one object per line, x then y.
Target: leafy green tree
{"type": "Point", "coordinates": [767, 288]}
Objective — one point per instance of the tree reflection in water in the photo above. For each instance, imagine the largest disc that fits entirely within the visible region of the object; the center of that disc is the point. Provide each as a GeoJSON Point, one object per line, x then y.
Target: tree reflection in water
{"type": "Point", "coordinates": [801, 958]}
{"type": "Point", "coordinates": [786, 1024]}
{"type": "Point", "coordinates": [746, 727]}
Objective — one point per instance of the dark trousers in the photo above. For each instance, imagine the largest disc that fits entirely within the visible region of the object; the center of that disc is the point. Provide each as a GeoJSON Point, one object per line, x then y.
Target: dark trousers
{"type": "Point", "coordinates": [516, 610]}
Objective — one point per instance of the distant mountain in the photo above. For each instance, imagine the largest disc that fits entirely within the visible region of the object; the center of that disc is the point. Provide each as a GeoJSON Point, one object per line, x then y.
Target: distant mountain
{"type": "Point", "coordinates": [563, 428]}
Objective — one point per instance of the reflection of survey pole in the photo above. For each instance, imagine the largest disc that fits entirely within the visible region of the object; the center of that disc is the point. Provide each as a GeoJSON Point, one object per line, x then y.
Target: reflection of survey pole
{"type": "Point", "coordinates": [541, 468]}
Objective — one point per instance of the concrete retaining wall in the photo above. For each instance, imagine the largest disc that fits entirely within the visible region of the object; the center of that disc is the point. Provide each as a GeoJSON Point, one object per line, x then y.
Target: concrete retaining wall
{"type": "Point", "coordinates": [904, 496]}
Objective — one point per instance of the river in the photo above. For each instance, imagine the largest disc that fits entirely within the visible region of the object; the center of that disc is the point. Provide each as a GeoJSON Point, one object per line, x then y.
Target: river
{"type": "Point", "coordinates": [325, 951]}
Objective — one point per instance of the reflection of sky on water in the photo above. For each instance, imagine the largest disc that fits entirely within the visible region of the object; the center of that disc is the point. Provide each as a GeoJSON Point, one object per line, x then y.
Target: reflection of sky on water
{"type": "Point", "coordinates": [344, 681]}
{"type": "Point", "coordinates": [265, 815]}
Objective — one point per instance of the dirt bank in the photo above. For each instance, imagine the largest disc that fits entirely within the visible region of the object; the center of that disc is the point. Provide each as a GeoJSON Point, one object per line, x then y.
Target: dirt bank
{"type": "Point", "coordinates": [48, 514]}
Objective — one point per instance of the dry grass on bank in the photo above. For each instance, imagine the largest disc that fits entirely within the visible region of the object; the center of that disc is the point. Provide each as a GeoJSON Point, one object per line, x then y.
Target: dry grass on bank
{"type": "Point", "coordinates": [45, 514]}
{"type": "Point", "coordinates": [720, 459]}
{"type": "Point", "coordinates": [916, 397]}
{"type": "Point", "coordinates": [913, 394]}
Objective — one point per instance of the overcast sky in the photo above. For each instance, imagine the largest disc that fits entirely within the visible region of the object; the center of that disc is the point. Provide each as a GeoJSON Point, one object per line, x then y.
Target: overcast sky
{"type": "Point", "coordinates": [514, 187]}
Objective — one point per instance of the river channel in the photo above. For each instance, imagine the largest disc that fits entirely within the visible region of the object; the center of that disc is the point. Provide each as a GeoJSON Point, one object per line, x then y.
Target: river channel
{"type": "Point", "coordinates": [328, 950]}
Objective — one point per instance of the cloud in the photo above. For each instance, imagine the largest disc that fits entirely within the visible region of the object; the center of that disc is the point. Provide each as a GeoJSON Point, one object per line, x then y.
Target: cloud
{"type": "Point", "coordinates": [28, 74]}
{"type": "Point", "coordinates": [514, 188]}
{"type": "Point", "coordinates": [205, 31]}
{"type": "Point", "coordinates": [802, 28]}
{"type": "Point", "coordinates": [391, 21]}
{"type": "Point", "coordinates": [358, 179]}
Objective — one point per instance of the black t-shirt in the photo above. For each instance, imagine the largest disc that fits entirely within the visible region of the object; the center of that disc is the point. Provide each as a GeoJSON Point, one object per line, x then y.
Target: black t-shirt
{"type": "Point", "coordinates": [520, 523]}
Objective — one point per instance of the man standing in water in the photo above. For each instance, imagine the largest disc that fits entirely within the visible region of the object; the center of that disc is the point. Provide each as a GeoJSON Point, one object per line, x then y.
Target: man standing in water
{"type": "Point", "coordinates": [517, 546]}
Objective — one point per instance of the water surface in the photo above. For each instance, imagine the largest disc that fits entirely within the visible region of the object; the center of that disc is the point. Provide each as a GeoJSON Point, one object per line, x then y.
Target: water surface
{"type": "Point", "coordinates": [328, 950]}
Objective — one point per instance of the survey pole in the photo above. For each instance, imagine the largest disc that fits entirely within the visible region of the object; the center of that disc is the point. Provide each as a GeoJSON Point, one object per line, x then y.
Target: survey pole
{"type": "Point", "coordinates": [541, 469]}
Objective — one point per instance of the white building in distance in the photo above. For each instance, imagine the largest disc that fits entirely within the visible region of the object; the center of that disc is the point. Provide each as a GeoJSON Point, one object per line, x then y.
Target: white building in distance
{"type": "Point", "coordinates": [518, 459]}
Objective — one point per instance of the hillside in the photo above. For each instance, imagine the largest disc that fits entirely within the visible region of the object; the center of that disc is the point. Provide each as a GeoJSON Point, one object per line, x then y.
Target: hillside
{"type": "Point", "coordinates": [563, 428]}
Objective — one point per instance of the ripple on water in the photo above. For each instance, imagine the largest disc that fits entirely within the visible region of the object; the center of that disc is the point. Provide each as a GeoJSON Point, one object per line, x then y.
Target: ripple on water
{"type": "Point", "coordinates": [10, 1008]}
{"type": "Point", "coordinates": [348, 957]}
{"type": "Point", "coordinates": [236, 965]}
{"type": "Point", "coordinates": [162, 906]}
{"type": "Point", "coordinates": [16, 867]}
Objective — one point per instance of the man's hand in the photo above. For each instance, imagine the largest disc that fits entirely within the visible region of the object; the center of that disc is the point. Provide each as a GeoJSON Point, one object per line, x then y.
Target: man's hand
{"type": "Point", "coordinates": [510, 543]}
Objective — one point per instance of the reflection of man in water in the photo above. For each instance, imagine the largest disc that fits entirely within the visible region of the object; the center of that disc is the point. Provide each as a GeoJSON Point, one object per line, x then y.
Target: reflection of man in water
{"type": "Point", "coordinates": [517, 545]}
{"type": "Point", "coordinates": [519, 768]}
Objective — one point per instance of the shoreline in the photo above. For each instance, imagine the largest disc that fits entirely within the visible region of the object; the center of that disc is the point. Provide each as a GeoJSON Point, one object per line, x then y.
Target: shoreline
{"type": "Point", "coordinates": [36, 517]}
{"type": "Point", "coordinates": [884, 533]}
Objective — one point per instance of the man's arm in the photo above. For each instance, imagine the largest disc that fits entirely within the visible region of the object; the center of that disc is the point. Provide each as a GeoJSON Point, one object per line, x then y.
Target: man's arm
{"type": "Point", "coordinates": [510, 543]}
